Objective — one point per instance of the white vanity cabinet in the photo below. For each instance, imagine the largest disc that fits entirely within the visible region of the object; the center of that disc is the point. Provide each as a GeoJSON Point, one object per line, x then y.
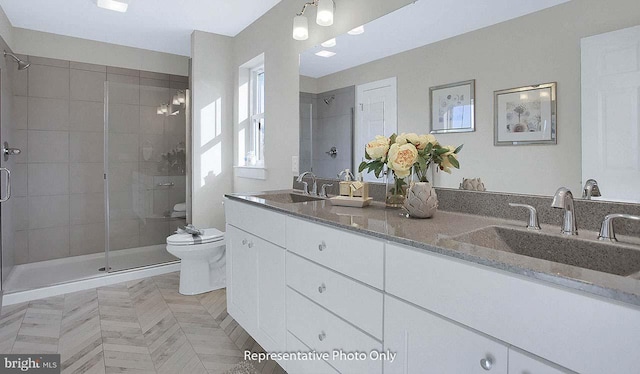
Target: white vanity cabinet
{"type": "Point", "coordinates": [427, 343]}
{"type": "Point", "coordinates": [256, 273]}
{"type": "Point", "coordinates": [522, 363]}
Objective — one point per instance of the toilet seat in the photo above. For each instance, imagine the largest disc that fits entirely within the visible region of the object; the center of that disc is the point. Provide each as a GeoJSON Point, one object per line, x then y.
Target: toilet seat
{"type": "Point", "coordinates": [210, 236]}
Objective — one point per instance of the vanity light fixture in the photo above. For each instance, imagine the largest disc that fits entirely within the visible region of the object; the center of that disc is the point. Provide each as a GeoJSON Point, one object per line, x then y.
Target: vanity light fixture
{"type": "Point", "coordinates": [115, 5]}
{"type": "Point", "coordinates": [356, 31]}
{"type": "Point", "coordinates": [329, 43]}
{"type": "Point", "coordinates": [179, 98]}
{"type": "Point", "coordinates": [324, 53]}
{"type": "Point", "coordinates": [324, 17]}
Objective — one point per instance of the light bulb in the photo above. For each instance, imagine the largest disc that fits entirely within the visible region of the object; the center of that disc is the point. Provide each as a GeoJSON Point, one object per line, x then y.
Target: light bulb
{"type": "Point", "coordinates": [300, 28]}
{"type": "Point", "coordinates": [324, 16]}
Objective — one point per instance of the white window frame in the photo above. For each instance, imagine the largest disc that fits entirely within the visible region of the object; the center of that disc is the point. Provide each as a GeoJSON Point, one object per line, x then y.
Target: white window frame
{"type": "Point", "coordinates": [256, 132]}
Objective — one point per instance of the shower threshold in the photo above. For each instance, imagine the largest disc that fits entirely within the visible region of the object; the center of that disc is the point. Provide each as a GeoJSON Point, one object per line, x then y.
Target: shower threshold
{"type": "Point", "coordinates": [59, 271]}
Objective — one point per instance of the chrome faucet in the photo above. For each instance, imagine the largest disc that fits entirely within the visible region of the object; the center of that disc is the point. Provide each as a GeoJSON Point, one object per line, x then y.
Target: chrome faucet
{"type": "Point", "coordinates": [606, 230]}
{"type": "Point", "coordinates": [533, 216]}
{"type": "Point", "coordinates": [314, 188]}
{"type": "Point", "coordinates": [563, 199]}
{"type": "Point", "coordinates": [590, 189]}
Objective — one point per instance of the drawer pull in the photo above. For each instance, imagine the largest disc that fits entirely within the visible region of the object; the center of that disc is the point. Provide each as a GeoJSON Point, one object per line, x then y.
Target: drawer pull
{"type": "Point", "coordinates": [322, 246]}
{"type": "Point", "coordinates": [486, 363]}
{"type": "Point", "coordinates": [322, 288]}
{"type": "Point", "coordinates": [322, 336]}
{"type": "Point", "coordinates": [250, 245]}
{"type": "Point", "coordinates": [244, 241]}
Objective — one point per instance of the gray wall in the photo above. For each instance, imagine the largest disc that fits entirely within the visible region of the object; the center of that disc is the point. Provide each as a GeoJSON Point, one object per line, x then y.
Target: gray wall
{"type": "Point", "coordinates": [58, 112]}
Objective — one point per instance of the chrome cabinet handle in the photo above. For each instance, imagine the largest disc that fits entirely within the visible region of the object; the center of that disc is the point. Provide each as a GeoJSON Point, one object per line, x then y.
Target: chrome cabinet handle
{"type": "Point", "coordinates": [244, 241]}
{"type": "Point", "coordinates": [168, 184]}
{"type": "Point", "coordinates": [322, 288]}
{"type": "Point", "coordinates": [7, 182]}
{"type": "Point", "coordinates": [250, 245]}
{"type": "Point", "coordinates": [486, 363]}
{"type": "Point", "coordinates": [322, 336]}
{"type": "Point", "coordinates": [322, 246]}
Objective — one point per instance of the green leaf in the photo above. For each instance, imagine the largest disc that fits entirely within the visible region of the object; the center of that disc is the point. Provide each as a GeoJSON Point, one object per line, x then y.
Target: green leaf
{"type": "Point", "coordinates": [378, 170]}
{"type": "Point", "coordinates": [454, 161]}
{"type": "Point", "coordinates": [442, 150]}
{"type": "Point", "coordinates": [458, 149]}
{"type": "Point", "coordinates": [362, 166]}
{"type": "Point", "coordinates": [366, 155]}
{"type": "Point", "coordinates": [392, 139]}
{"type": "Point", "coordinates": [428, 148]}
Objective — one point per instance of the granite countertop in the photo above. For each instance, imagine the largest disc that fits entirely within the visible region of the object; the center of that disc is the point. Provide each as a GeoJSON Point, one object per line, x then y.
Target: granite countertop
{"type": "Point", "coordinates": [434, 235]}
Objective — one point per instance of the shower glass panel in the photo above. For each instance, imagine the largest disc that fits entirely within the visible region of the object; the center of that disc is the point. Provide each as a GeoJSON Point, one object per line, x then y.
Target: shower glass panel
{"type": "Point", "coordinates": [145, 160]}
{"type": "Point", "coordinates": [306, 140]}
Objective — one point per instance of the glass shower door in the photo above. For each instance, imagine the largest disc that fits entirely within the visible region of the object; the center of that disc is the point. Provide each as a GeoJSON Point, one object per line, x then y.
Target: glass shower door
{"type": "Point", "coordinates": [145, 163]}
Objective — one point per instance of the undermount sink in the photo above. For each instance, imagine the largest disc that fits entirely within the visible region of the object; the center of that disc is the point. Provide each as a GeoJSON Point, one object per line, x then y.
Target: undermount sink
{"type": "Point", "coordinates": [288, 198]}
{"type": "Point", "coordinates": [594, 255]}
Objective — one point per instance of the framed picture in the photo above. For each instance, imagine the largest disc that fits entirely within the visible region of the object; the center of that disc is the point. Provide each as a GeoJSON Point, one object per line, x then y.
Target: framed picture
{"type": "Point", "coordinates": [525, 115]}
{"type": "Point", "coordinates": [453, 107]}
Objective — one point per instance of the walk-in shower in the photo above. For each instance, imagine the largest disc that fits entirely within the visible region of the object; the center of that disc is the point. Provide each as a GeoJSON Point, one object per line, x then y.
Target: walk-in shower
{"type": "Point", "coordinates": [100, 181]}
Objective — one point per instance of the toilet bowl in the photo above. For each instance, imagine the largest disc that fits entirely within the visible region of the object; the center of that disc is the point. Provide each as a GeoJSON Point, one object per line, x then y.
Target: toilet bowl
{"type": "Point", "coordinates": [203, 261]}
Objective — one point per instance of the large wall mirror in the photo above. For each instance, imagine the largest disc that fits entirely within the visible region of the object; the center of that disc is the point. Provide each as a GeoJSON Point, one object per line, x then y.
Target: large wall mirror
{"type": "Point", "coordinates": [378, 81]}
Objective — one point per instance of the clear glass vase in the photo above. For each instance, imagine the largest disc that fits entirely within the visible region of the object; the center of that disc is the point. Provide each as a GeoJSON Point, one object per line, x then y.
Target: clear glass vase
{"type": "Point", "coordinates": [396, 191]}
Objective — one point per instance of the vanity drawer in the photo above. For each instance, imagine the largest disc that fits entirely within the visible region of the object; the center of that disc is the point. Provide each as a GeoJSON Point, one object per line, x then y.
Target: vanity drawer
{"type": "Point", "coordinates": [351, 300]}
{"type": "Point", "coordinates": [307, 366]}
{"type": "Point", "coordinates": [261, 222]}
{"type": "Point", "coordinates": [322, 331]}
{"type": "Point", "coordinates": [354, 255]}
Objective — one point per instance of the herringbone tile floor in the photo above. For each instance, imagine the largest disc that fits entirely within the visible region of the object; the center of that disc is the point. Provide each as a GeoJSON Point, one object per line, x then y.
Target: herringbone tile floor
{"type": "Point", "coordinates": [142, 326]}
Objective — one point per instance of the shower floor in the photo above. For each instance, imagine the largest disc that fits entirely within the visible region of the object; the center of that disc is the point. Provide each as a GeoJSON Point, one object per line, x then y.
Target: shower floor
{"type": "Point", "coordinates": [47, 273]}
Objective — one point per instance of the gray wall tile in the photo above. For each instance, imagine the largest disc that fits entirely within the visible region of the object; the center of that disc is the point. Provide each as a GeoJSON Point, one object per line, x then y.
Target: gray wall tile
{"type": "Point", "coordinates": [154, 75]}
{"type": "Point", "coordinates": [48, 179]}
{"type": "Point", "coordinates": [19, 83]}
{"type": "Point", "coordinates": [19, 113]}
{"type": "Point", "coordinates": [21, 247]}
{"type": "Point", "coordinates": [86, 208]}
{"type": "Point", "coordinates": [48, 211]}
{"type": "Point", "coordinates": [123, 71]}
{"type": "Point", "coordinates": [87, 85]}
{"type": "Point", "coordinates": [123, 147]}
{"type": "Point", "coordinates": [48, 81]}
{"type": "Point", "coordinates": [47, 244]}
{"type": "Point", "coordinates": [124, 234]}
{"type": "Point", "coordinates": [154, 96]}
{"type": "Point", "coordinates": [86, 177]}
{"type": "Point", "coordinates": [48, 114]}
{"type": "Point", "coordinates": [150, 121]}
{"type": "Point", "coordinates": [124, 118]}
{"type": "Point", "coordinates": [86, 239]}
{"type": "Point", "coordinates": [86, 116]}
{"type": "Point", "coordinates": [19, 180]}
{"type": "Point", "coordinates": [90, 67]}
{"type": "Point", "coordinates": [124, 89]}
{"type": "Point", "coordinates": [48, 146]}
{"type": "Point", "coordinates": [20, 213]}
{"type": "Point", "coordinates": [35, 60]}
{"type": "Point", "coordinates": [86, 146]}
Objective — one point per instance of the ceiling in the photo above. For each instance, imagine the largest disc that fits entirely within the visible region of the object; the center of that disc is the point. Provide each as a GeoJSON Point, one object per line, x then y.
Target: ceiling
{"type": "Point", "coordinates": [159, 25]}
{"type": "Point", "coordinates": [415, 25]}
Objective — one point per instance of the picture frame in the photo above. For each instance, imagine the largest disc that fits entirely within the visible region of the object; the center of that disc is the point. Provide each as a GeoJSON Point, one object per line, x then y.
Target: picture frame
{"type": "Point", "coordinates": [453, 107]}
{"type": "Point", "coordinates": [525, 115]}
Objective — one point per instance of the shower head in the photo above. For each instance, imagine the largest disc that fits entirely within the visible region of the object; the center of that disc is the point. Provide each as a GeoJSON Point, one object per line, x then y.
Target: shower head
{"type": "Point", "coordinates": [21, 64]}
{"type": "Point", "coordinates": [328, 100]}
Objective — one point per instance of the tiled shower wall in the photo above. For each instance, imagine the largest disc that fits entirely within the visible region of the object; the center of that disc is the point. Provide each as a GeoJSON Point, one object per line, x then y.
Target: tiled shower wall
{"type": "Point", "coordinates": [58, 110]}
{"type": "Point", "coordinates": [327, 125]}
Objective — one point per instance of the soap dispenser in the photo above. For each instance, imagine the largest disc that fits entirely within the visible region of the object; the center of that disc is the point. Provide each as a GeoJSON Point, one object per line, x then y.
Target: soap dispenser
{"type": "Point", "coordinates": [360, 188]}
{"type": "Point", "coordinates": [345, 184]}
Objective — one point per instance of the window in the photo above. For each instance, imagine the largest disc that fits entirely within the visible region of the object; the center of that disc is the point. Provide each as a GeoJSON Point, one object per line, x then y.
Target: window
{"type": "Point", "coordinates": [257, 126]}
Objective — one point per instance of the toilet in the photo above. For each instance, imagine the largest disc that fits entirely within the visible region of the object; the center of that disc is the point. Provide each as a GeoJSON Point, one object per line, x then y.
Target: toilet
{"type": "Point", "coordinates": [203, 261]}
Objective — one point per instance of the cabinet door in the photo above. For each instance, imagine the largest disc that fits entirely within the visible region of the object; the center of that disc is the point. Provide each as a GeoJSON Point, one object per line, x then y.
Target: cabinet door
{"type": "Point", "coordinates": [523, 363]}
{"type": "Point", "coordinates": [242, 291]}
{"type": "Point", "coordinates": [426, 343]}
{"type": "Point", "coordinates": [271, 290]}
